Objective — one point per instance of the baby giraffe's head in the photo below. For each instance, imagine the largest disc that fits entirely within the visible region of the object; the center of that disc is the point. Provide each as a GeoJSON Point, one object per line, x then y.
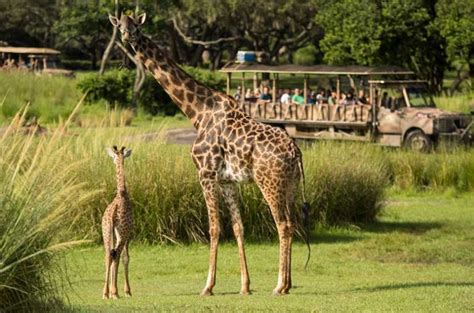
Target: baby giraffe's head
{"type": "Point", "coordinates": [128, 26]}
{"type": "Point", "coordinates": [119, 155]}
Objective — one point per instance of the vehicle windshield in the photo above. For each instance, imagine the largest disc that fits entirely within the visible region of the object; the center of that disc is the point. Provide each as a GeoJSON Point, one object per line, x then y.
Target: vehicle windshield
{"type": "Point", "coordinates": [419, 97]}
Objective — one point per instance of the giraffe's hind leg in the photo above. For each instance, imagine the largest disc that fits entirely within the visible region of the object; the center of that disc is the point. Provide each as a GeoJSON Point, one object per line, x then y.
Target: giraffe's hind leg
{"type": "Point", "coordinates": [290, 203]}
{"type": "Point", "coordinates": [106, 235]}
{"type": "Point", "coordinates": [108, 263]}
{"type": "Point", "coordinates": [231, 198]}
{"type": "Point", "coordinates": [115, 256]}
{"type": "Point", "coordinates": [126, 259]}
{"type": "Point", "coordinates": [274, 192]}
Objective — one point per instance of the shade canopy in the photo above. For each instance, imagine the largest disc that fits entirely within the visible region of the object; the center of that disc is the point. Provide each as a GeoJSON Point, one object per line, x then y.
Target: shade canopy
{"type": "Point", "coordinates": [315, 69]}
{"type": "Point", "coordinates": [29, 50]}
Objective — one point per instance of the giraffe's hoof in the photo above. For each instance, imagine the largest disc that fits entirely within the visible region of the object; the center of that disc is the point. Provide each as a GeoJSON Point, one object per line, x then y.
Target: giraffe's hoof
{"type": "Point", "coordinates": [115, 296]}
{"type": "Point", "coordinates": [277, 292]}
{"type": "Point", "coordinates": [206, 292]}
{"type": "Point", "coordinates": [128, 294]}
{"type": "Point", "coordinates": [245, 292]}
{"type": "Point", "coordinates": [105, 296]}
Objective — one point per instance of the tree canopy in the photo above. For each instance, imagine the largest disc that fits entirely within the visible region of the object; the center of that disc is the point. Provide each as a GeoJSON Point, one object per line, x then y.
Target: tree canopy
{"type": "Point", "coordinates": [428, 36]}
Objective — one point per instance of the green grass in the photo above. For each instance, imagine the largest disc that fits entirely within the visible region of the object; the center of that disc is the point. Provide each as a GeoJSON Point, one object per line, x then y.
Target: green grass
{"type": "Point", "coordinates": [418, 257]}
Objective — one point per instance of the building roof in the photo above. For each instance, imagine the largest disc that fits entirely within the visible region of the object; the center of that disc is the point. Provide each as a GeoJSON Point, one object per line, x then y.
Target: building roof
{"type": "Point", "coordinates": [315, 69]}
{"type": "Point", "coordinates": [28, 50]}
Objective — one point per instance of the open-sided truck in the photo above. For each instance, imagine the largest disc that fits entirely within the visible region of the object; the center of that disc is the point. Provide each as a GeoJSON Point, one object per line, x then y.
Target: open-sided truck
{"type": "Point", "coordinates": [399, 111]}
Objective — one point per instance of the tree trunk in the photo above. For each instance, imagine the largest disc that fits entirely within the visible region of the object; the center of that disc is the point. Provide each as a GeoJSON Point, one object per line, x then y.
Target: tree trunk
{"type": "Point", "coordinates": [106, 55]}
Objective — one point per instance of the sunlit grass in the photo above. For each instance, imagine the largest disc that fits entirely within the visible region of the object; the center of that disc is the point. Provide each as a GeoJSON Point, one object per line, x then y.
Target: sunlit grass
{"type": "Point", "coordinates": [417, 257]}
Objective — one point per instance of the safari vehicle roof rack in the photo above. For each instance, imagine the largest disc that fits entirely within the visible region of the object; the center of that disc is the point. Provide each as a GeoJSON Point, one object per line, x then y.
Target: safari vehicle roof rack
{"type": "Point", "coordinates": [398, 82]}
{"type": "Point", "coordinates": [315, 69]}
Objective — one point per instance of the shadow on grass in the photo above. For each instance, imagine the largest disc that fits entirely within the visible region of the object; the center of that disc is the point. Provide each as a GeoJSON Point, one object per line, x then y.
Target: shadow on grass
{"type": "Point", "coordinates": [332, 238]}
{"type": "Point", "coordinates": [405, 227]}
{"type": "Point", "coordinates": [416, 285]}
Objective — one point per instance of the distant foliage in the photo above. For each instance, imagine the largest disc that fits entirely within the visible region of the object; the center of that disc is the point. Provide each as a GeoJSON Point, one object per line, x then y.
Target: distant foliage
{"type": "Point", "coordinates": [116, 88]}
{"type": "Point", "coordinates": [306, 55]}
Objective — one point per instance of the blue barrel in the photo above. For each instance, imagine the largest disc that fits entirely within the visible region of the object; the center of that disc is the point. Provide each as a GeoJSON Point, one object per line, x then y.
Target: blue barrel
{"type": "Point", "coordinates": [246, 56]}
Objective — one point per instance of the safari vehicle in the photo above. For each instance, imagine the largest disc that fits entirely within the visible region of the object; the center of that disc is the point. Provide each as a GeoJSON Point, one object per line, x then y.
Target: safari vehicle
{"type": "Point", "coordinates": [399, 110]}
{"type": "Point", "coordinates": [29, 59]}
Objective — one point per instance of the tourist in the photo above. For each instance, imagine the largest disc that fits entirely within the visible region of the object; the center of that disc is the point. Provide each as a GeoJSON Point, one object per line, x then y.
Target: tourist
{"type": "Point", "coordinates": [297, 97]}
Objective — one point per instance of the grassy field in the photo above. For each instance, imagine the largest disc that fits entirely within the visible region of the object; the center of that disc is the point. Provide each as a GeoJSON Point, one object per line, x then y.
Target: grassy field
{"type": "Point", "coordinates": [418, 257]}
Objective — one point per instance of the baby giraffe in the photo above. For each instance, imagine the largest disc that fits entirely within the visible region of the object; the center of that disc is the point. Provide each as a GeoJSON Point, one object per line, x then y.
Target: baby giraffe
{"type": "Point", "coordinates": [117, 228]}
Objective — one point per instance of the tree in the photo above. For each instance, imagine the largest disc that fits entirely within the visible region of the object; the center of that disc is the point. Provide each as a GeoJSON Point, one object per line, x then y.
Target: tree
{"type": "Point", "coordinates": [84, 25]}
{"type": "Point", "coordinates": [455, 23]}
{"type": "Point", "coordinates": [28, 22]}
{"type": "Point", "coordinates": [383, 32]}
{"type": "Point", "coordinates": [269, 26]}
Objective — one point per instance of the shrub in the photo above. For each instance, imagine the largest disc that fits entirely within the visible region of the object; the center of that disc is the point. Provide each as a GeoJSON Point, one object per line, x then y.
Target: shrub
{"type": "Point", "coordinates": [116, 87]}
{"type": "Point", "coordinates": [306, 56]}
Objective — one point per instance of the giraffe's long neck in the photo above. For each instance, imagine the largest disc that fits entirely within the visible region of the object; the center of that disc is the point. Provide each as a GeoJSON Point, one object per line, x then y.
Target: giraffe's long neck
{"type": "Point", "coordinates": [193, 98]}
{"type": "Point", "coordinates": [121, 187]}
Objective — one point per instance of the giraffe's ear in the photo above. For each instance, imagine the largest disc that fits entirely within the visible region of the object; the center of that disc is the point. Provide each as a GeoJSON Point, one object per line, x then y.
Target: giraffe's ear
{"type": "Point", "coordinates": [111, 153]}
{"type": "Point", "coordinates": [127, 153]}
{"type": "Point", "coordinates": [141, 19]}
{"type": "Point", "coordinates": [113, 20]}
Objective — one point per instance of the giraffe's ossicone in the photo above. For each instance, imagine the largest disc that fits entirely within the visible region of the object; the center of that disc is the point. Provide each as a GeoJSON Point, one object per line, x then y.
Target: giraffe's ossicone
{"type": "Point", "coordinates": [230, 148]}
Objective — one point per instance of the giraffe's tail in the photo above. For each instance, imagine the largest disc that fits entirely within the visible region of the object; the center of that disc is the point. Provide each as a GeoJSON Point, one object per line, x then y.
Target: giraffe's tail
{"type": "Point", "coordinates": [305, 211]}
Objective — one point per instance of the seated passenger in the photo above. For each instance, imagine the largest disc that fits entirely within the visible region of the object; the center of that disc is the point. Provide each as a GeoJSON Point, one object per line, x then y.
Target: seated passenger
{"type": "Point", "coordinates": [321, 97]}
{"type": "Point", "coordinates": [257, 93]}
{"type": "Point", "coordinates": [248, 94]}
{"type": "Point", "coordinates": [385, 100]}
{"type": "Point", "coordinates": [332, 98]}
{"type": "Point", "coordinates": [313, 98]}
{"type": "Point", "coordinates": [285, 97]}
{"type": "Point", "coordinates": [238, 93]}
{"type": "Point", "coordinates": [265, 96]}
{"type": "Point", "coordinates": [297, 97]}
{"type": "Point", "coordinates": [349, 99]}
{"type": "Point", "coordinates": [361, 99]}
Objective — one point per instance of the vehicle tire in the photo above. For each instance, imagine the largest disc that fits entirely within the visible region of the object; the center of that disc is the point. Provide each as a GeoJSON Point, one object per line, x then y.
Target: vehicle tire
{"type": "Point", "coordinates": [416, 140]}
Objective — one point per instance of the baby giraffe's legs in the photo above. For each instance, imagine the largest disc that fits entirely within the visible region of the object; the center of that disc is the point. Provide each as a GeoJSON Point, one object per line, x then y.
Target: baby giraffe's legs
{"type": "Point", "coordinates": [115, 255]}
{"type": "Point", "coordinates": [125, 259]}
{"type": "Point", "coordinates": [105, 294]}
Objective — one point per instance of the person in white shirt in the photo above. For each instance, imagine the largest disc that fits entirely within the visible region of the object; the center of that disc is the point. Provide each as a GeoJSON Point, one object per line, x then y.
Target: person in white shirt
{"type": "Point", "coordinates": [285, 97]}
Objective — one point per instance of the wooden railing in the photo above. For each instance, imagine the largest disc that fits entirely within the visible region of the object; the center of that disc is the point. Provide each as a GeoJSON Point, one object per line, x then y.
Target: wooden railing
{"type": "Point", "coordinates": [309, 112]}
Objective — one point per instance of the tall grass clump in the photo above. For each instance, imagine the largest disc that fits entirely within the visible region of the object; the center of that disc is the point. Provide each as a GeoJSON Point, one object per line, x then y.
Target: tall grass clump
{"type": "Point", "coordinates": [463, 103]}
{"type": "Point", "coordinates": [440, 170]}
{"type": "Point", "coordinates": [167, 199]}
{"type": "Point", "coordinates": [39, 201]}
{"type": "Point", "coordinates": [345, 182]}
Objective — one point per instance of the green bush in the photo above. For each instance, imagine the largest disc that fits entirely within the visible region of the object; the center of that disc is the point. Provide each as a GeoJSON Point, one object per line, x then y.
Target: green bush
{"type": "Point", "coordinates": [306, 56]}
{"type": "Point", "coordinates": [116, 87]}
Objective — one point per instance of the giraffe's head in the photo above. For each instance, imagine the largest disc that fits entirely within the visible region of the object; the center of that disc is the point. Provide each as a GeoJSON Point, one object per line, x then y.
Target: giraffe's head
{"type": "Point", "coordinates": [119, 155]}
{"type": "Point", "coordinates": [128, 26]}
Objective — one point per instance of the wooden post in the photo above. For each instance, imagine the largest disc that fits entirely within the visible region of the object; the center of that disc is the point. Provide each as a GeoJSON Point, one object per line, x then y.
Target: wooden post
{"type": "Point", "coordinates": [229, 77]}
{"type": "Point", "coordinates": [274, 87]}
{"type": "Point", "coordinates": [242, 99]}
{"type": "Point", "coordinates": [255, 81]}
{"type": "Point", "coordinates": [338, 88]}
{"type": "Point", "coordinates": [305, 89]}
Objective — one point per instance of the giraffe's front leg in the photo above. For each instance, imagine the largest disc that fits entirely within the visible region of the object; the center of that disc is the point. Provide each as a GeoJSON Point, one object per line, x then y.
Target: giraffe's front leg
{"type": "Point", "coordinates": [210, 189]}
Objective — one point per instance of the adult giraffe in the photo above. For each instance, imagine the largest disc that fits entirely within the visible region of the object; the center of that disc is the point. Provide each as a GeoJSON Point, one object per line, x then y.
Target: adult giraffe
{"type": "Point", "coordinates": [230, 148]}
